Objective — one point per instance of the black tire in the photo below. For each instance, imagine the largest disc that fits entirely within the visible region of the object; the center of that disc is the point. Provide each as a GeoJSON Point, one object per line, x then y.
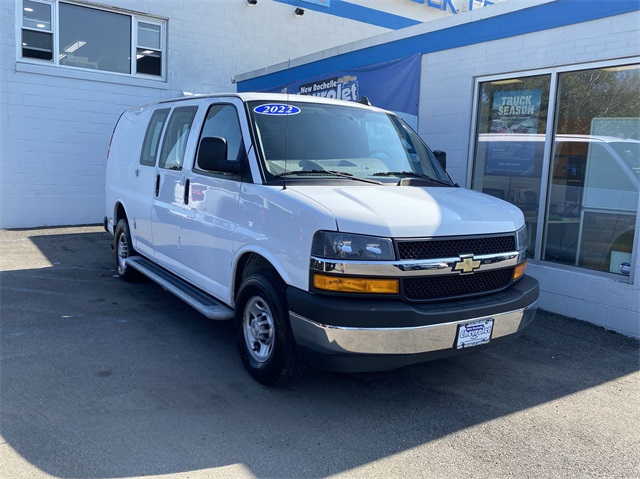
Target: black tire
{"type": "Point", "coordinates": [123, 249]}
{"type": "Point", "coordinates": [265, 340]}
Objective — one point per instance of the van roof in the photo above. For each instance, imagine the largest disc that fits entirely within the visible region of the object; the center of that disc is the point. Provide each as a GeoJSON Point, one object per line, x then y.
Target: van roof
{"type": "Point", "coordinates": [259, 96]}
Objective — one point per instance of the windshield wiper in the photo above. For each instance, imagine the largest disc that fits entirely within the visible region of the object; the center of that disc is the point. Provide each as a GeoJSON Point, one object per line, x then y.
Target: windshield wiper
{"type": "Point", "coordinates": [341, 174]}
{"type": "Point", "coordinates": [412, 174]}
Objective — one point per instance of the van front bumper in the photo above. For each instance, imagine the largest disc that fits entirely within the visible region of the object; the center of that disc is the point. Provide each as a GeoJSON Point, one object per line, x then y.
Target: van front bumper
{"type": "Point", "coordinates": [356, 335]}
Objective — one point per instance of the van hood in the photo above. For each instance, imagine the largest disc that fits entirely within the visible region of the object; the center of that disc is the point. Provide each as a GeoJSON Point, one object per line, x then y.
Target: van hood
{"type": "Point", "coordinates": [409, 211]}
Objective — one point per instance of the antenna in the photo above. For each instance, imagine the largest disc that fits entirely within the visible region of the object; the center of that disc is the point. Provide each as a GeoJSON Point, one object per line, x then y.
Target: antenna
{"type": "Point", "coordinates": [286, 129]}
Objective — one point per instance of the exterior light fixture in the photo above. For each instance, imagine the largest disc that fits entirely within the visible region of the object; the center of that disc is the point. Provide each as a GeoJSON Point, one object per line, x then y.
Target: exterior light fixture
{"type": "Point", "coordinates": [299, 12]}
{"type": "Point", "coordinates": [251, 3]}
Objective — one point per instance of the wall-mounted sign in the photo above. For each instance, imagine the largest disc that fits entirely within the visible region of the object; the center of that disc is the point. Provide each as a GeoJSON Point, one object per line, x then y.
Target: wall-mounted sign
{"type": "Point", "coordinates": [455, 6]}
{"type": "Point", "coordinates": [392, 85]}
{"type": "Point", "coordinates": [515, 111]}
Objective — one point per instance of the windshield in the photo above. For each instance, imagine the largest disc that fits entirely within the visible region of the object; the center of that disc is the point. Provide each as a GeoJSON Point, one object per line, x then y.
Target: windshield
{"type": "Point", "coordinates": [302, 139]}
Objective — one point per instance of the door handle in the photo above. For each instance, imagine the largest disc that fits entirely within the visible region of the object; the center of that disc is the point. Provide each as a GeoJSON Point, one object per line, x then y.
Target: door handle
{"type": "Point", "coordinates": [157, 184]}
{"type": "Point", "coordinates": [187, 184]}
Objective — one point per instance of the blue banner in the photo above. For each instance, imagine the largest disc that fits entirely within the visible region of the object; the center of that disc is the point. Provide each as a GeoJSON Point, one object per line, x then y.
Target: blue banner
{"type": "Point", "coordinates": [392, 85]}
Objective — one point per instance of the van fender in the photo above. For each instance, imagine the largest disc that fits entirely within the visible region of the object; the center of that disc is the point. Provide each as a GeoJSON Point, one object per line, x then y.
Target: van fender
{"type": "Point", "coordinates": [265, 254]}
{"type": "Point", "coordinates": [119, 211]}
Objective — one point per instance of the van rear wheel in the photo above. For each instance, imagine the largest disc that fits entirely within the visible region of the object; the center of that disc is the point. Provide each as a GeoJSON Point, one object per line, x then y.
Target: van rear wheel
{"type": "Point", "coordinates": [123, 250]}
{"type": "Point", "coordinates": [264, 336]}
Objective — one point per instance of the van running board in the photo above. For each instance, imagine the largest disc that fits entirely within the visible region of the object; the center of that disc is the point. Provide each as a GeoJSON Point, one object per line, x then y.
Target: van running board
{"type": "Point", "coordinates": [191, 295]}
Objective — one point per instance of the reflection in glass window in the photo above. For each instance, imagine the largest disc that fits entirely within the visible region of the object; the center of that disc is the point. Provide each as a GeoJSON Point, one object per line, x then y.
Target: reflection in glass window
{"type": "Point", "coordinates": [332, 140]}
{"type": "Point", "coordinates": [148, 52]}
{"type": "Point", "coordinates": [593, 195]}
{"type": "Point", "coordinates": [176, 136]}
{"type": "Point", "coordinates": [512, 119]}
{"type": "Point", "coordinates": [152, 137]}
{"type": "Point", "coordinates": [148, 35]}
{"type": "Point", "coordinates": [36, 15]}
{"type": "Point", "coordinates": [94, 39]}
{"type": "Point", "coordinates": [37, 36]}
{"type": "Point", "coordinates": [222, 121]}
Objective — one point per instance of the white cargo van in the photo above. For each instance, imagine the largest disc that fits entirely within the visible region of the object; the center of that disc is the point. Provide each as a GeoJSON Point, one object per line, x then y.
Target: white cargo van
{"type": "Point", "coordinates": [326, 230]}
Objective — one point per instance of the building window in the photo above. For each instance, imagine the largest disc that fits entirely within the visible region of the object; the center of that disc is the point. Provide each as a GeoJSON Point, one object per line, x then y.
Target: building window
{"type": "Point", "coordinates": [85, 37]}
{"type": "Point", "coordinates": [149, 49]}
{"type": "Point", "coordinates": [595, 170]}
{"type": "Point", "coordinates": [512, 122]}
{"type": "Point", "coordinates": [579, 195]}
{"type": "Point", "coordinates": [37, 31]}
{"type": "Point", "coordinates": [94, 39]}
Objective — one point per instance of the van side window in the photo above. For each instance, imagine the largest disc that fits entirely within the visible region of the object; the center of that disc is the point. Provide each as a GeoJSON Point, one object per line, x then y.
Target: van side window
{"type": "Point", "coordinates": [222, 121]}
{"type": "Point", "coordinates": [152, 137]}
{"type": "Point", "coordinates": [176, 136]}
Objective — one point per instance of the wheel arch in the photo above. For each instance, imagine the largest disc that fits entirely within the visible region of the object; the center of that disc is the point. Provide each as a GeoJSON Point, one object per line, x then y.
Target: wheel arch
{"type": "Point", "coordinates": [249, 262]}
{"type": "Point", "coordinates": [119, 212]}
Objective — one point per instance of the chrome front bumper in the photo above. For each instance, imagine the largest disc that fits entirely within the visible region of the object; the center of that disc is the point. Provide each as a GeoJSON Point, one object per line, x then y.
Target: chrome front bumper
{"type": "Point", "coordinates": [327, 339]}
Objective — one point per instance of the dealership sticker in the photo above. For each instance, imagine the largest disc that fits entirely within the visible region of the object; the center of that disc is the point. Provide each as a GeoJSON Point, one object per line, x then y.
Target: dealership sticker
{"type": "Point", "coordinates": [277, 109]}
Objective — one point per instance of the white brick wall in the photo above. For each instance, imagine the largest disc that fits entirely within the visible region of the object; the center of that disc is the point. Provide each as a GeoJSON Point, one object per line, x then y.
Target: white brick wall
{"type": "Point", "coordinates": [446, 104]}
{"type": "Point", "coordinates": [599, 300]}
{"type": "Point", "coordinates": [55, 124]}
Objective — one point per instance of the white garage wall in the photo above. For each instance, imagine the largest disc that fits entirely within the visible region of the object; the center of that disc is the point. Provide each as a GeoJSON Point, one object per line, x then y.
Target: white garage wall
{"type": "Point", "coordinates": [56, 123]}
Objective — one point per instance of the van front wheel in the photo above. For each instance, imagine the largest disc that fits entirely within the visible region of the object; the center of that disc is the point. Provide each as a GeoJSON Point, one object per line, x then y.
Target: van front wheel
{"type": "Point", "coordinates": [265, 341]}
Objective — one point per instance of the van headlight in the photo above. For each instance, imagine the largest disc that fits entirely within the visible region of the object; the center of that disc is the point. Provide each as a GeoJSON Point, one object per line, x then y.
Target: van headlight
{"type": "Point", "coordinates": [522, 239]}
{"type": "Point", "coordinates": [522, 244]}
{"type": "Point", "coordinates": [345, 246]}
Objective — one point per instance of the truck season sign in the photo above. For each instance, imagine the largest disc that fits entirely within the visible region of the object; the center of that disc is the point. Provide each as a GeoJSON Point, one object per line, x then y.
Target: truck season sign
{"type": "Point", "coordinates": [516, 111]}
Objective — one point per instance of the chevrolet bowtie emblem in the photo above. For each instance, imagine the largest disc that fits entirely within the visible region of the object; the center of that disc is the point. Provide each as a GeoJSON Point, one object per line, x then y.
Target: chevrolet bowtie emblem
{"type": "Point", "coordinates": [466, 264]}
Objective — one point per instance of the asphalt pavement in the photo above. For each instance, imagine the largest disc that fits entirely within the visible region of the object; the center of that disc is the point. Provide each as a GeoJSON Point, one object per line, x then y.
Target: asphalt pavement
{"type": "Point", "coordinates": [104, 379]}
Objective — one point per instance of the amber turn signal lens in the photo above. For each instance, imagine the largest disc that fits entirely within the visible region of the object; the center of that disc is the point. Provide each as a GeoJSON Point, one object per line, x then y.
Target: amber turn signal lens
{"type": "Point", "coordinates": [519, 271]}
{"type": "Point", "coordinates": [355, 285]}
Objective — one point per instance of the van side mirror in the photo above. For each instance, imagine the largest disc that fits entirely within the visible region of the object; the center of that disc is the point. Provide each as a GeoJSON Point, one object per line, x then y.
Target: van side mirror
{"type": "Point", "coordinates": [212, 156]}
{"type": "Point", "coordinates": [441, 156]}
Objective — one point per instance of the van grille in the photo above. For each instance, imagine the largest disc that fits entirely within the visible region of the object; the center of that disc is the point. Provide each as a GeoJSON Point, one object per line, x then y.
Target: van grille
{"type": "Point", "coordinates": [433, 288]}
{"type": "Point", "coordinates": [452, 248]}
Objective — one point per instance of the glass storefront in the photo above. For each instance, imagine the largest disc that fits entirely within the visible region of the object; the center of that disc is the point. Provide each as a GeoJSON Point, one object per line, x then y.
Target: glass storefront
{"type": "Point", "coordinates": [585, 195]}
{"type": "Point", "coordinates": [512, 123]}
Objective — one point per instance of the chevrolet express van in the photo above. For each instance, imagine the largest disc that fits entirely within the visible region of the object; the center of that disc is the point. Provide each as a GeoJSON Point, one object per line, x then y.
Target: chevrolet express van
{"type": "Point", "coordinates": [326, 230]}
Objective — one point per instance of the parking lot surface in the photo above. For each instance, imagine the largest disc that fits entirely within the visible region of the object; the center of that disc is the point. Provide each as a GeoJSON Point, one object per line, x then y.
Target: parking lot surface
{"type": "Point", "coordinates": [104, 379]}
